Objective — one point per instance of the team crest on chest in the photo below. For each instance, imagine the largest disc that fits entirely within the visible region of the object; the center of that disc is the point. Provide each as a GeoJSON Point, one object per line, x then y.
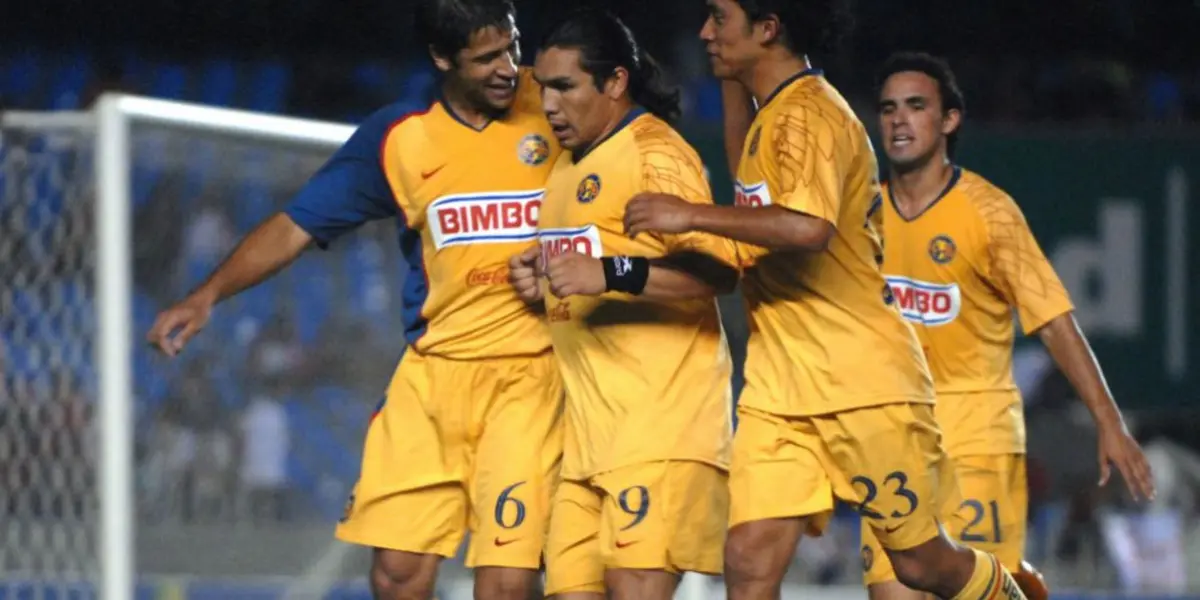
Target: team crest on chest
{"type": "Point", "coordinates": [588, 189]}
{"type": "Point", "coordinates": [942, 249]}
{"type": "Point", "coordinates": [754, 141]}
{"type": "Point", "coordinates": [533, 150]}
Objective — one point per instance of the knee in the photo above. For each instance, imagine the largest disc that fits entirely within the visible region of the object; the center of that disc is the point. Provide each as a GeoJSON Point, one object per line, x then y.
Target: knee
{"type": "Point", "coordinates": [750, 554]}
{"type": "Point", "coordinates": [640, 584]}
{"type": "Point", "coordinates": [500, 583]}
{"type": "Point", "coordinates": [402, 575]}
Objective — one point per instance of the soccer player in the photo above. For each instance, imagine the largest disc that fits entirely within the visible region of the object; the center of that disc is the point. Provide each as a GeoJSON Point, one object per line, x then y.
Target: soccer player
{"type": "Point", "coordinates": [838, 399]}
{"type": "Point", "coordinates": [636, 331]}
{"type": "Point", "coordinates": [469, 435]}
{"type": "Point", "coordinates": [960, 260]}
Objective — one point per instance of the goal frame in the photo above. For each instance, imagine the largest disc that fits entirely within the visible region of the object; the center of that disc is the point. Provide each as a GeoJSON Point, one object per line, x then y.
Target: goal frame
{"type": "Point", "coordinates": [112, 117]}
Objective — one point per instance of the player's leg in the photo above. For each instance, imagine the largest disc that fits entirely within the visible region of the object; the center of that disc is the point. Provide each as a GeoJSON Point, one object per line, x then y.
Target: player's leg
{"type": "Point", "coordinates": [517, 411]}
{"type": "Point", "coordinates": [660, 520]}
{"type": "Point", "coordinates": [779, 490]}
{"type": "Point", "coordinates": [574, 567]}
{"type": "Point", "coordinates": [893, 467]}
{"type": "Point", "coordinates": [415, 515]}
{"type": "Point", "coordinates": [878, 574]}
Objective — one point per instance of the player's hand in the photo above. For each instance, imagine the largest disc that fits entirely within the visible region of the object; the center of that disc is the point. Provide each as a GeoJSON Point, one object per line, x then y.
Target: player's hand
{"type": "Point", "coordinates": [574, 274]}
{"type": "Point", "coordinates": [1117, 447]}
{"type": "Point", "coordinates": [523, 272]}
{"type": "Point", "coordinates": [660, 213]}
{"type": "Point", "coordinates": [178, 324]}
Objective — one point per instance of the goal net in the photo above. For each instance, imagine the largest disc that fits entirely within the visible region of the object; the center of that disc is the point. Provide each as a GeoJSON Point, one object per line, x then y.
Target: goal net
{"type": "Point", "coordinates": [229, 465]}
{"type": "Point", "coordinates": [47, 335]}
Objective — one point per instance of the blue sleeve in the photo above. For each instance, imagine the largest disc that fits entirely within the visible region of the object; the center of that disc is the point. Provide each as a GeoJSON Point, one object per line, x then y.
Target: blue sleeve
{"type": "Point", "coordinates": [351, 189]}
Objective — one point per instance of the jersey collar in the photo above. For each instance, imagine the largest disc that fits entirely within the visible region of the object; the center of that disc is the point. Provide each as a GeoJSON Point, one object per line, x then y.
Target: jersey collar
{"type": "Point", "coordinates": [790, 81]}
{"type": "Point", "coordinates": [633, 113]}
{"type": "Point", "coordinates": [441, 99]}
{"type": "Point", "coordinates": [954, 177]}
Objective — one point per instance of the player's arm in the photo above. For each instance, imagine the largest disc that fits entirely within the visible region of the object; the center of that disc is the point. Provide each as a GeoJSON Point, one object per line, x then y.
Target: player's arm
{"type": "Point", "coordinates": [1019, 269]}
{"type": "Point", "coordinates": [682, 275]}
{"type": "Point", "coordinates": [695, 265]}
{"type": "Point", "coordinates": [774, 227]}
{"type": "Point", "coordinates": [687, 274]}
{"type": "Point", "coordinates": [348, 191]}
{"type": "Point", "coordinates": [802, 217]}
{"type": "Point", "coordinates": [738, 111]}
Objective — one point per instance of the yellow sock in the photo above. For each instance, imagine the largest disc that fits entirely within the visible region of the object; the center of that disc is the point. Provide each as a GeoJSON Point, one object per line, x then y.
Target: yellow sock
{"type": "Point", "coordinates": [989, 581]}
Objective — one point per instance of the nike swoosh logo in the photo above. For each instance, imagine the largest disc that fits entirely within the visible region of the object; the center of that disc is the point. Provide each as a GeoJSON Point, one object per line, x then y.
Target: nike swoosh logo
{"type": "Point", "coordinates": [891, 530]}
{"type": "Point", "coordinates": [500, 542]}
{"type": "Point", "coordinates": [626, 544]}
{"type": "Point", "coordinates": [428, 174]}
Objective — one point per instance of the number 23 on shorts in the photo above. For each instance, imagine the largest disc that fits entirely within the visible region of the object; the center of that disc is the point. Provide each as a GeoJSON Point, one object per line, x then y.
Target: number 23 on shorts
{"type": "Point", "coordinates": [895, 483]}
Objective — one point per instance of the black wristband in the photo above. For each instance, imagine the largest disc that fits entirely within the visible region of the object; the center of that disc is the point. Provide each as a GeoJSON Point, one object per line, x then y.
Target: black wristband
{"type": "Point", "coordinates": [625, 273]}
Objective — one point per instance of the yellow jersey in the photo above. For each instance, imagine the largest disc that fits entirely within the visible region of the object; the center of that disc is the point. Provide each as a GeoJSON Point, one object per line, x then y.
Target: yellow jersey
{"type": "Point", "coordinates": [824, 334]}
{"type": "Point", "coordinates": [957, 271]}
{"type": "Point", "coordinates": [467, 199]}
{"type": "Point", "coordinates": [646, 380]}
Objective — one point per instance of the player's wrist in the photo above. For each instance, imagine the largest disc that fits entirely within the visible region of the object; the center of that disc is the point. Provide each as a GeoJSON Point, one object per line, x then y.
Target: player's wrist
{"type": "Point", "coordinates": [206, 295]}
{"type": "Point", "coordinates": [627, 274]}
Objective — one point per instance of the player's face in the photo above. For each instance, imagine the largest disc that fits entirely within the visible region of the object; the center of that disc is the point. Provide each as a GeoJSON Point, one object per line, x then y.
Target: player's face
{"type": "Point", "coordinates": [729, 39]}
{"type": "Point", "coordinates": [912, 121]}
{"type": "Point", "coordinates": [578, 112]}
{"type": "Point", "coordinates": [486, 70]}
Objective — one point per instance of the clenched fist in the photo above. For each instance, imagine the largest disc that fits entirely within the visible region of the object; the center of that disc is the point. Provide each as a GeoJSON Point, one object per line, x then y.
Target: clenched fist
{"type": "Point", "coordinates": [523, 272]}
{"type": "Point", "coordinates": [574, 274]}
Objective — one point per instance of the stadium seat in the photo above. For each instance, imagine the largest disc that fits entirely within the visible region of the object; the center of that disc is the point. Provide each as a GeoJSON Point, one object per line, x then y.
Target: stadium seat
{"type": "Point", "coordinates": [70, 79]}
{"type": "Point", "coordinates": [20, 79]}
{"type": "Point", "coordinates": [219, 83]}
{"type": "Point", "coordinates": [170, 82]}
{"type": "Point", "coordinates": [269, 92]}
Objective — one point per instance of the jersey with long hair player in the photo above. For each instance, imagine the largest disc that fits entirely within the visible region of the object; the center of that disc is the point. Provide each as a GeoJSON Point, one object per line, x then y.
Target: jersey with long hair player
{"type": "Point", "coordinates": [635, 327]}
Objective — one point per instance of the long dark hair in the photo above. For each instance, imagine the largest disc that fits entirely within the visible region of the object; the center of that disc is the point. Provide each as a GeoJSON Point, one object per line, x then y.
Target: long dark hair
{"type": "Point", "coordinates": [605, 43]}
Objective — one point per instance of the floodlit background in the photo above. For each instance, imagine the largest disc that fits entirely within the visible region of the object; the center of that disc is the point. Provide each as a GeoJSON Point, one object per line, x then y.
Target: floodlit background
{"type": "Point", "coordinates": [1085, 110]}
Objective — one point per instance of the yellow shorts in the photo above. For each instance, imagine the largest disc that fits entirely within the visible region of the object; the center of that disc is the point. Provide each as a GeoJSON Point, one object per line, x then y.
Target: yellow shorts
{"type": "Point", "coordinates": [461, 446]}
{"type": "Point", "coordinates": [887, 461]}
{"type": "Point", "coordinates": [991, 516]}
{"type": "Point", "coordinates": [667, 516]}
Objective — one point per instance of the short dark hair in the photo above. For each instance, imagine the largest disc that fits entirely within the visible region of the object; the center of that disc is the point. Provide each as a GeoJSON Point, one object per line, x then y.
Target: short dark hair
{"type": "Point", "coordinates": [445, 26]}
{"type": "Point", "coordinates": [938, 70]}
{"type": "Point", "coordinates": [605, 43]}
{"type": "Point", "coordinates": [809, 26]}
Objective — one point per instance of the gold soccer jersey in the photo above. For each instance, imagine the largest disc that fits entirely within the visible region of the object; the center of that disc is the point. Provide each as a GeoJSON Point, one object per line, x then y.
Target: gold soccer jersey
{"type": "Point", "coordinates": [475, 197]}
{"type": "Point", "coordinates": [824, 337]}
{"type": "Point", "coordinates": [957, 270]}
{"type": "Point", "coordinates": [645, 380]}
{"type": "Point", "coordinates": [470, 433]}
